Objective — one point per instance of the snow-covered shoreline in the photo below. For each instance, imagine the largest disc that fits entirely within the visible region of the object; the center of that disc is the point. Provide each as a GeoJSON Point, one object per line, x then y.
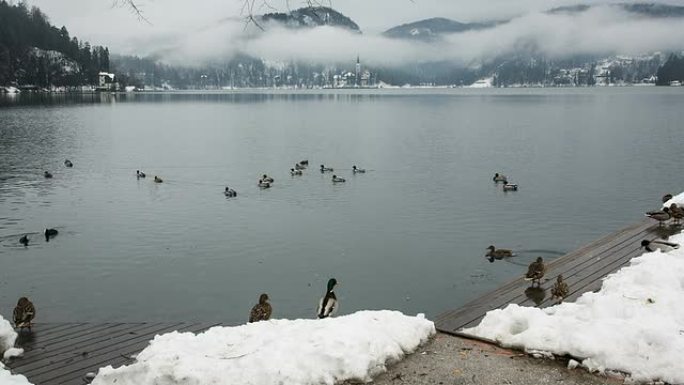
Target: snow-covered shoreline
{"type": "Point", "coordinates": [634, 324]}
{"type": "Point", "coordinates": [328, 351]}
{"type": "Point", "coordinates": [7, 350]}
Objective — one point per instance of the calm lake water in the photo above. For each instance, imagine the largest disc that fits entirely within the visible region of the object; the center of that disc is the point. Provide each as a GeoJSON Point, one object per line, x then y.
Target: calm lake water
{"type": "Point", "coordinates": [410, 234]}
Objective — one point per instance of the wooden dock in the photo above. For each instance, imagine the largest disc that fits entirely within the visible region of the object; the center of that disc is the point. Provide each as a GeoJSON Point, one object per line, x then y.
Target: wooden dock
{"type": "Point", "coordinates": [62, 353]}
{"type": "Point", "coordinates": [582, 269]}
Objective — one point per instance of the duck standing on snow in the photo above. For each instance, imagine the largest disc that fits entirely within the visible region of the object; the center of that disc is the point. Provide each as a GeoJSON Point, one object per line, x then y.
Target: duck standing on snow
{"type": "Point", "coordinates": [335, 179]}
{"type": "Point", "coordinates": [326, 169]}
{"type": "Point", "coordinates": [667, 197]}
{"type": "Point", "coordinates": [24, 313]}
{"type": "Point", "coordinates": [560, 289]}
{"type": "Point", "coordinates": [498, 253]}
{"type": "Point", "coordinates": [498, 178]}
{"type": "Point", "coordinates": [50, 233]}
{"type": "Point", "coordinates": [660, 215]}
{"type": "Point", "coordinates": [24, 240]}
{"type": "Point", "coordinates": [230, 193]}
{"type": "Point", "coordinates": [261, 311]}
{"type": "Point", "coordinates": [536, 270]}
{"type": "Point", "coordinates": [294, 172]}
{"type": "Point", "coordinates": [328, 304]}
{"type": "Point", "coordinates": [139, 174]}
{"type": "Point", "coordinates": [510, 187]}
{"type": "Point", "coordinates": [356, 170]}
{"type": "Point", "coordinates": [658, 244]}
{"type": "Point", "coordinates": [47, 174]}
{"type": "Point", "coordinates": [68, 163]}
{"type": "Point", "coordinates": [158, 179]}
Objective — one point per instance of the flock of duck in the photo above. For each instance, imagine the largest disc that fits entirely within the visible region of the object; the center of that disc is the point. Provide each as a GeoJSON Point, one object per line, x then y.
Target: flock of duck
{"type": "Point", "coordinates": [25, 311]}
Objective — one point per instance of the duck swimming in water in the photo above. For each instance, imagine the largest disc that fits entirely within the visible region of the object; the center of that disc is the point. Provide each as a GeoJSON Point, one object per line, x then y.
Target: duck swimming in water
{"type": "Point", "coordinates": [263, 184]}
{"type": "Point", "coordinates": [335, 179]}
{"type": "Point", "coordinates": [24, 240]}
{"type": "Point", "coordinates": [299, 167]}
{"type": "Point", "coordinates": [50, 233]}
{"type": "Point", "coordinates": [356, 170]}
{"type": "Point", "coordinates": [536, 270]}
{"type": "Point", "coordinates": [498, 253]}
{"type": "Point", "coordinates": [659, 244]}
{"type": "Point", "coordinates": [158, 179]}
{"type": "Point", "coordinates": [498, 178]}
{"type": "Point", "coordinates": [328, 304]}
{"type": "Point", "coordinates": [230, 193]}
{"type": "Point", "coordinates": [304, 162]}
{"type": "Point", "coordinates": [24, 313]}
{"type": "Point", "coordinates": [47, 174]}
{"type": "Point", "coordinates": [139, 174]}
{"type": "Point", "coordinates": [294, 172]}
{"type": "Point", "coordinates": [510, 187]}
{"type": "Point", "coordinates": [68, 163]}
{"type": "Point", "coordinates": [267, 178]}
{"type": "Point", "coordinates": [261, 311]}
{"type": "Point", "coordinates": [326, 169]}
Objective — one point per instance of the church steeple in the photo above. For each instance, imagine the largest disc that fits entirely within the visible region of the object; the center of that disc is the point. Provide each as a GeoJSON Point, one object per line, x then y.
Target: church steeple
{"type": "Point", "coordinates": [358, 70]}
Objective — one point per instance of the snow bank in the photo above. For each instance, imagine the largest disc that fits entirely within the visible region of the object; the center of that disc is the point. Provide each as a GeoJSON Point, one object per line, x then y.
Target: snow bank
{"type": "Point", "coordinates": [634, 324]}
{"type": "Point", "coordinates": [677, 199]}
{"type": "Point", "coordinates": [7, 378]}
{"type": "Point", "coordinates": [7, 335]}
{"type": "Point", "coordinates": [352, 347]}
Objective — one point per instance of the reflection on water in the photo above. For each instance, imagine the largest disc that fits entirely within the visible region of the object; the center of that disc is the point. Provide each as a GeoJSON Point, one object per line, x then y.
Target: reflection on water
{"type": "Point", "coordinates": [409, 234]}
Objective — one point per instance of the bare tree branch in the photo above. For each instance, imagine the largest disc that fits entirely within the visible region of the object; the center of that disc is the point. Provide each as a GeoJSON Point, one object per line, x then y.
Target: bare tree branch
{"type": "Point", "coordinates": [135, 9]}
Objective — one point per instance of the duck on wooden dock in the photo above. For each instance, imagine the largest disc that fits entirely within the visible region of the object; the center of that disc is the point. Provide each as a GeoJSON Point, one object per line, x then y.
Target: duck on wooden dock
{"type": "Point", "coordinates": [560, 289]}
{"type": "Point", "coordinates": [50, 233]}
{"type": "Point", "coordinates": [357, 170]}
{"type": "Point", "coordinates": [499, 178]}
{"type": "Point", "coordinates": [139, 174]}
{"type": "Point", "coordinates": [510, 187]}
{"type": "Point", "coordinates": [536, 270]}
{"type": "Point", "coordinates": [24, 313]}
{"type": "Point", "coordinates": [68, 163]}
{"type": "Point", "coordinates": [24, 240]}
{"type": "Point", "coordinates": [498, 253]}
{"type": "Point", "coordinates": [294, 172]}
{"type": "Point", "coordinates": [229, 192]}
{"type": "Point", "coordinates": [158, 179]}
{"type": "Point", "coordinates": [261, 311]}
{"type": "Point", "coordinates": [47, 174]}
{"type": "Point", "coordinates": [658, 244]}
{"type": "Point", "coordinates": [660, 215]}
{"type": "Point", "coordinates": [328, 304]}
{"type": "Point", "coordinates": [326, 169]}
{"type": "Point", "coordinates": [336, 179]}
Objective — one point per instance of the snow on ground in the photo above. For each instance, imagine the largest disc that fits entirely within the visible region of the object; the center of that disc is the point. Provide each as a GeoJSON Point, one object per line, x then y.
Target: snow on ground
{"type": "Point", "coordinates": [677, 199]}
{"type": "Point", "coordinates": [327, 351]}
{"type": "Point", "coordinates": [7, 350]}
{"type": "Point", "coordinates": [634, 324]}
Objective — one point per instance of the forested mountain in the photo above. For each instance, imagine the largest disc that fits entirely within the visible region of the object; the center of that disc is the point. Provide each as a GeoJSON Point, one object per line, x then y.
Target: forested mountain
{"type": "Point", "coordinates": [309, 17]}
{"type": "Point", "coordinates": [430, 29]}
{"type": "Point", "coordinates": [672, 70]}
{"type": "Point", "coordinates": [32, 51]}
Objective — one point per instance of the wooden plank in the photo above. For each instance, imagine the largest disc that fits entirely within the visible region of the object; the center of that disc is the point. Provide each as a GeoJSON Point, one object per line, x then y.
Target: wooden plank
{"type": "Point", "coordinates": [91, 363]}
{"type": "Point", "coordinates": [581, 268]}
{"type": "Point", "coordinates": [116, 359]}
{"type": "Point", "coordinates": [88, 348]}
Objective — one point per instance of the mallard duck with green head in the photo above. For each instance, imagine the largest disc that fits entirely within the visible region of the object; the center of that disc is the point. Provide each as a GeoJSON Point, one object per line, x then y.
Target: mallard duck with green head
{"type": "Point", "coordinates": [536, 270]}
{"type": "Point", "coordinates": [24, 313]}
{"type": "Point", "coordinates": [261, 311]}
{"type": "Point", "coordinates": [328, 304]}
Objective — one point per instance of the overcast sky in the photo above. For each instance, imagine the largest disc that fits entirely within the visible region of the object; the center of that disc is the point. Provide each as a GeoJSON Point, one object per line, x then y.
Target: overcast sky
{"type": "Point", "coordinates": [190, 30]}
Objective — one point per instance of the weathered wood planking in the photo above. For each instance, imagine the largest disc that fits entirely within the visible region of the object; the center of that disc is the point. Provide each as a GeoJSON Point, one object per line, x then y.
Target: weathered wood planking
{"type": "Point", "coordinates": [583, 270]}
{"type": "Point", "coordinates": [62, 353]}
